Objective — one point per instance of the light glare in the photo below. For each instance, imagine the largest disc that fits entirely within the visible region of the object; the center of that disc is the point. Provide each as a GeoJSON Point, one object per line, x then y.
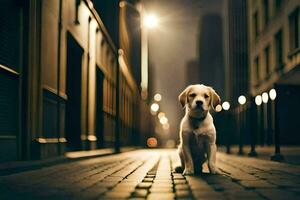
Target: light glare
{"type": "Point", "coordinates": [163, 120]}
{"type": "Point", "coordinates": [218, 108]}
{"type": "Point", "coordinates": [157, 97]}
{"type": "Point", "coordinates": [258, 100]}
{"type": "Point", "coordinates": [154, 107]}
{"type": "Point", "coordinates": [265, 97]}
{"type": "Point", "coordinates": [242, 99]}
{"type": "Point", "coordinates": [272, 94]}
{"type": "Point", "coordinates": [160, 115]}
{"type": "Point", "coordinates": [151, 21]}
{"type": "Point", "coordinates": [226, 105]}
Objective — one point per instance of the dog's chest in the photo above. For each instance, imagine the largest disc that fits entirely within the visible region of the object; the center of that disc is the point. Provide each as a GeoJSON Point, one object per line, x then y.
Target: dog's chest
{"type": "Point", "coordinates": [200, 128]}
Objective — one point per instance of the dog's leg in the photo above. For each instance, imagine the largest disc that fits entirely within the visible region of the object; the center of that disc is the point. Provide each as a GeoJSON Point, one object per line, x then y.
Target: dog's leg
{"type": "Point", "coordinates": [189, 166]}
{"type": "Point", "coordinates": [211, 154]}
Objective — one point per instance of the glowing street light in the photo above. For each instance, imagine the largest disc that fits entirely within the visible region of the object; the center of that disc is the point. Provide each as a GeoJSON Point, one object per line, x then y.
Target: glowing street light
{"type": "Point", "coordinates": [157, 97]}
{"type": "Point", "coordinates": [242, 99]}
{"type": "Point", "coordinates": [160, 115]}
{"type": "Point", "coordinates": [151, 21]}
{"type": "Point", "coordinates": [226, 105]}
{"type": "Point", "coordinates": [272, 94]}
{"type": "Point", "coordinates": [166, 126]}
{"type": "Point", "coordinates": [154, 107]}
{"type": "Point", "coordinates": [218, 108]}
{"type": "Point", "coordinates": [265, 97]}
{"type": "Point", "coordinates": [258, 100]}
{"type": "Point", "coordinates": [163, 120]}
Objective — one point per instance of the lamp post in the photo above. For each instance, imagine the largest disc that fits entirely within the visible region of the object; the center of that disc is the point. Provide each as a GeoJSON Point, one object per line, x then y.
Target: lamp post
{"type": "Point", "coordinates": [258, 102]}
{"type": "Point", "coordinates": [277, 156]}
{"type": "Point", "coordinates": [242, 100]}
{"type": "Point", "coordinates": [150, 21]}
{"type": "Point", "coordinates": [265, 99]}
{"type": "Point", "coordinates": [226, 107]}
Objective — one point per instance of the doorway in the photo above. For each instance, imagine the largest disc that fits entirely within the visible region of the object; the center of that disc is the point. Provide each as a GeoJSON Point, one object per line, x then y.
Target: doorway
{"type": "Point", "coordinates": [73, 90]}
{"type": "Point", "coordinates": [99, 108]}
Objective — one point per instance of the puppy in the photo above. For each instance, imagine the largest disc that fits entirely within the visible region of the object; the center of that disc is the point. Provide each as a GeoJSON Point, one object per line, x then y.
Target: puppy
{"type": "Point", "coordinates": [197, 130]}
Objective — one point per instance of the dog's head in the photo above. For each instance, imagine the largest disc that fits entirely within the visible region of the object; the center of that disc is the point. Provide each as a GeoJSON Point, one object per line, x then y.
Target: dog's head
{"type": "Point", "coordinates": [199, 99]}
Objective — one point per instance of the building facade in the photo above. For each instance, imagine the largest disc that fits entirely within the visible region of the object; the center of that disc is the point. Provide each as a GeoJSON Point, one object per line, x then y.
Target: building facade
{"type": "Point", "coordinates": [274, 60]}
{"type": "Point", "coordinates": [65, 83]}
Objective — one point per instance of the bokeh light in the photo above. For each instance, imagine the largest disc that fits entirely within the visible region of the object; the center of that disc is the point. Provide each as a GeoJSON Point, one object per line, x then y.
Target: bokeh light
{"type": "Point", "coordinates": [258, 100]}
{"type": "Point", "coordinates": [157, 97]}
{"type": "Point", "coordinates": [154, 107]}
{"type": "Point", "coordinates": [151, 21]}
{"type": "Point", "coordinates": [218, 108]}
{"type": "Point", "coordinates": [242, 99]}
{"type": "Point", "coordinates": [226, 105]}
{"type": "Point", "coordinates": [272, 94]}
{"type": "Point", "coordinates": [265, 97]}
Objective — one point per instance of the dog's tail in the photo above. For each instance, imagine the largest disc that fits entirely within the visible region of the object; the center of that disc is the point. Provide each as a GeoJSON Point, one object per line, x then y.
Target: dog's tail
{"type": "Point", "coordinates": [178, 169]}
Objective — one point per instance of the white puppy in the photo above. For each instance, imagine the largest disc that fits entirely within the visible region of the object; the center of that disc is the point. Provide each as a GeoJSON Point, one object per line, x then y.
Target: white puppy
{"type": "Point", "coordinates": [197, 130]}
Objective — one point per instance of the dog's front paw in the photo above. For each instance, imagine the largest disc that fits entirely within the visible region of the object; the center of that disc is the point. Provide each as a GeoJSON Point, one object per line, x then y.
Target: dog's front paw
{"type": "Point", "coordinates": [188, 172]}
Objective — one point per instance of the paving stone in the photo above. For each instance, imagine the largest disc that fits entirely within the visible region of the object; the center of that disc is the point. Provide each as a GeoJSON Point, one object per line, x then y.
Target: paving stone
{"type": "Point", "coordinates": [182, 187]}
{"type": "Point", "coordinates": [164, 196]}
{"type": "Point", "coordinates": [144, 185]}
{"type": "Point", "coordinates": [146, 174]}
{"type": "Point", "coordinates": [257, 184]}
{"type": "Point", "coordinates": [140, 193]}
{"type": "Point", "coordinates": [181, 181]}
{"type": "Point", "coordinates": [183, 193]}
{"type": "Point", "coordinates": [161, 189]}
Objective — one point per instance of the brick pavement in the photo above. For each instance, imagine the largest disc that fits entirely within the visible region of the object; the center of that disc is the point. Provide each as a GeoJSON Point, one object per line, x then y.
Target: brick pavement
{"type": "Point", "coordinates": [148, 174]}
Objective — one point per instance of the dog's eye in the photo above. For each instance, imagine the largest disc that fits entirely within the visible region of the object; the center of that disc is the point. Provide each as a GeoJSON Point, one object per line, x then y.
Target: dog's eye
{"type": "Point", "coordinates": [192, 95]}
{"type": "Point", "coordinates": [206, 96]}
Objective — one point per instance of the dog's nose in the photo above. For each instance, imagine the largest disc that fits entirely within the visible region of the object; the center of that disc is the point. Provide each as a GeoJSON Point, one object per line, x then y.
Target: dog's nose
{"type": "Point", "coordinates": [199, 103]}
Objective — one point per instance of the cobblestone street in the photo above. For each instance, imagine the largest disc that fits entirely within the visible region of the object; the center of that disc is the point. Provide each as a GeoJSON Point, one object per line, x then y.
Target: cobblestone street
{"type": "Point", "coordinates": [149, 174]}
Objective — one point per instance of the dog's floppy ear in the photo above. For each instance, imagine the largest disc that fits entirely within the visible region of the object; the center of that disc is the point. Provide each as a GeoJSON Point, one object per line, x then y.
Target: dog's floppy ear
{"type": "Point", "coordinates": [183, 96]}
{"type": "Point", "coordinates": [215, 99]}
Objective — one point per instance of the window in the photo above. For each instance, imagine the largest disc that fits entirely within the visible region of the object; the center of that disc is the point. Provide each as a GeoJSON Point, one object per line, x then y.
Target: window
{"type": "Point", "coordinates": [267, 60]}
{"type": "Point", "coordinates": [255, 24]}
{"type": "Point", "coordinates": [294, 30]}
{"type": "Point", "coordinates": [279, 49]}
{"type": "Point", "coordinates": [256, 65]}
{"type": "Point", "coordinates": [266, 11]}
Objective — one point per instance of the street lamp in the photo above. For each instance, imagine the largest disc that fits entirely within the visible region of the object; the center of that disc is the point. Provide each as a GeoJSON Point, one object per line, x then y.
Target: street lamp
{"type": "Point", "coordinates": [218, 108]}
{"type": "Point", "coordinates": [148, 22]}
{"type": "Point", "coordinates": [265, 97]}
{"type": "Point", "coordinates": [277, 156]}
{"type": "Point", "coordinates": [157, 97]}
{"type": "Point", "coordinates": [163, 120]}
{"type": "Point", "coordinates": [242, 99]}
{"type": "Point", "coordinates": [226, 106]}
{"type": "Point", "coordinates": [160, 115]}
{"type": "Point", "coordinates": [272, 94]}
{"type": "Point", "coordinates": [241, 117]}
{"type": "Point", "coordinates": [258, 100]}
{"type": "Point", "coordinates": [154, 107]}
{"type": "Point", "coordinates": [151, 21]}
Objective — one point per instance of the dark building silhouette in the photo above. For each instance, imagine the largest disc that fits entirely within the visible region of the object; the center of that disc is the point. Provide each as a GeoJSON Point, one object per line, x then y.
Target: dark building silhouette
{"type": "Point", "coordinates": [64, 84]}
{"type": "Point", "coordinates": [211, 61]}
